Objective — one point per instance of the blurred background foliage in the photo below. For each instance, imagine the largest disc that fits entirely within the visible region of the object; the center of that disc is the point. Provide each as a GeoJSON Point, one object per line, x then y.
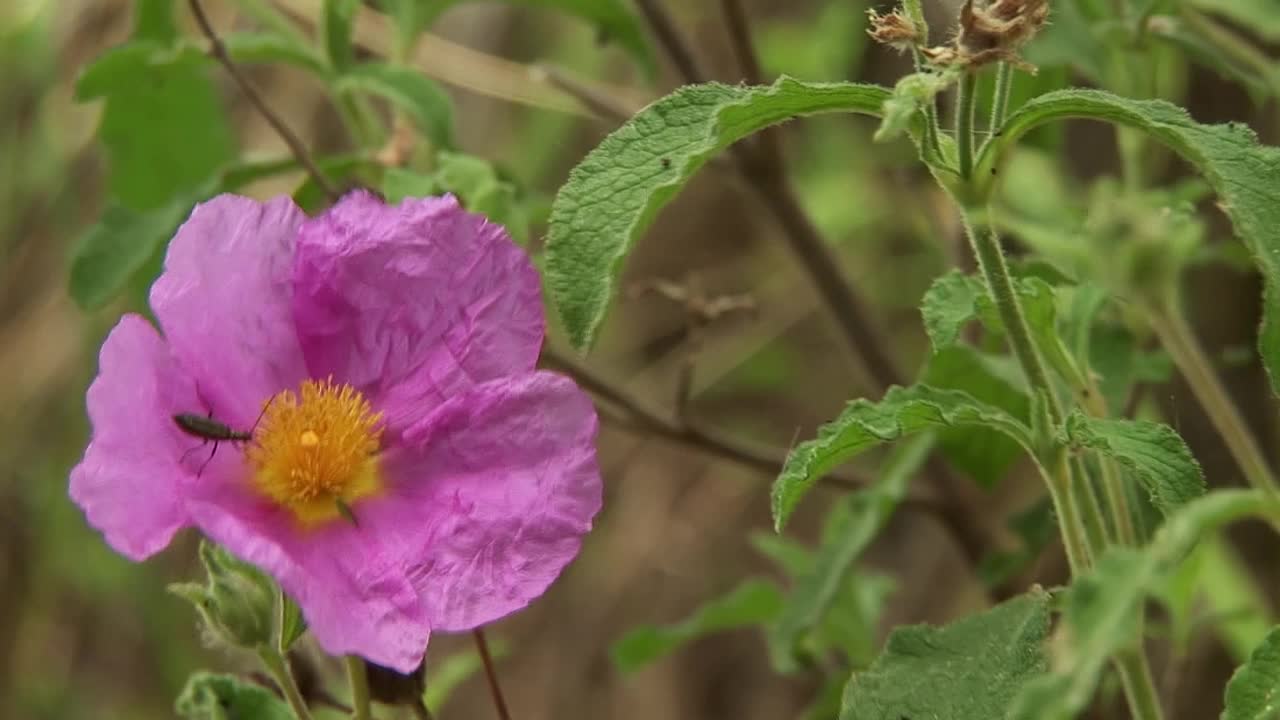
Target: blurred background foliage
{"type": "Point", "coordinates": [84, 634]}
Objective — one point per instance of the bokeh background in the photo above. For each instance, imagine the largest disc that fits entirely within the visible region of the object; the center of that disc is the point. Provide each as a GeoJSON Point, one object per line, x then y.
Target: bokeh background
{"type": "Point", "coordinates": [85, 634]}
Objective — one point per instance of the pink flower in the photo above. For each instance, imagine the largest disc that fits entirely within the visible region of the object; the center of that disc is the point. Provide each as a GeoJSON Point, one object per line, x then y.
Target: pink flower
{"type": "Point", "coordinates": [410, 471]}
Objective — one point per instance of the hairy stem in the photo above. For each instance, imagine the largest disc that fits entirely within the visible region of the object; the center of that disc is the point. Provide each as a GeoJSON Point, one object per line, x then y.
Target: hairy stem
{"type": "Point", "coordinates": [1074, 541]}
{"type": "Point", "coordinates": [358, 679]}
{"type": "Point", "coordinates": [1000, 102]}
{"type": "Point", "coordinates": [1139, 689]}
{"type": "Point", "coordinates": [1183, 347]}
{"type": "Point", "coordinates": [991, 261]}
{"type": "Point", "coordinates": [278, 667]}
{"type": "Point", "coordinates": [965, 103]}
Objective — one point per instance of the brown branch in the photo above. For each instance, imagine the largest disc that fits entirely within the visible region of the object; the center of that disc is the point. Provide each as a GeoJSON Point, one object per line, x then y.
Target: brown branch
{"type": "Point", "coordinates": [598, 102]}
{"type": "Point", "coordinates": [491, 674]}
{"type": "Point", "coordinates": [762, 168]}
{"type": "Point", "coordinates": [296, 146]}
{"type": "Point", "coordinates": [671, 40]}
{"type": "Point", "coordinates": [740, 35]}
{"type": "Point", "coordinates": [686, 433]}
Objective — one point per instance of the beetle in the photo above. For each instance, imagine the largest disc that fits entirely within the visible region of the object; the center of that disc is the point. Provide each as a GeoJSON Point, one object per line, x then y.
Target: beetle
{"type": "Point", "coordinates": [209, 430]}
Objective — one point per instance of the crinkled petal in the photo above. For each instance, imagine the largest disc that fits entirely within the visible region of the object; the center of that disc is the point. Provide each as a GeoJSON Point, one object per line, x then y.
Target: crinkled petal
{"type": "Point", "coordinates": [351, 587]}
{"type": "Point", "coordinates": [413, 303]}
{"type": "Point", "coordinates": [501, 486]}
{"type": "Point", "coordinates": [129, 483]}
{"type": "Point", "coordinates": [223, 302]}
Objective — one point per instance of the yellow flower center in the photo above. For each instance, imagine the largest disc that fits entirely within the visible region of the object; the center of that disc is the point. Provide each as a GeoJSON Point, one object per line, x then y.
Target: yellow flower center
{"type": "Point", "coordinates": [315, 452]}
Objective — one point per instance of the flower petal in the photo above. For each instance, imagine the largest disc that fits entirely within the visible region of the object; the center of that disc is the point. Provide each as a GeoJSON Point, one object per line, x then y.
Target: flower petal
{"type": "Point", "coordinates": [129, 482]}
{"type": "Point", "coordinates": [502, 487]}
{"type": "Point", "coordinates": [413, 303]}
{"type": "Point", "coordinates": [223, 302]}
{"type": "Point", "coordinates": [351, 587]}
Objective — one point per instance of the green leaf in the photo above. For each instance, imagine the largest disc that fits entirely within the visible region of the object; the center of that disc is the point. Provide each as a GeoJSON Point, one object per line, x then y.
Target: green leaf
{"type": "Point", "coordinates": [153, 20]}
{"type": "Point", "coordinates": [478, 186]}
{"type": "Point", "coordinates": [163, 126]}
{"type": "Point", "coordinates": [752, 603]}
{"type": "Point", "coordinates": [208, 696]}
{"type": "Point", "coordinates": [1100, 610]}
{"type": "Point", "coordinates": [473, 180]}
{"type": "Point", "coordinates": [854, 524]}
{"type": "Point", "coordinates": [1153, 452]}
{"type": "Point", "coordinates": [613, 19]}
{"type": "Point", "coordinates": [425, 102]}
{"type": "Point", "coordinates": [948, 305]}
{"type": "Point", "coordinates": [292, 624]}
{"type": "Point", "coordinates": [1101, 616]}
{"type": "Point", "coordinates": [267, 48]}
{"type": "Point", "coordinates": [117, 247]}
{"type": "Point", "coordinates": [445, 677]}
{"type": "Point", "coordinates": [401, 183]}
{"type": "Point", "coordinates": [1254, 690]}
{"type": "Point", "coordinates": [1233, 595]}
{"type": "Point", "coordinates": [911, 93]}
{"type": "Point", "coordinates": [864, 424]}
{"type": "Point", "coordinates": [968, 670]}
{"type": "Point", "coordinates": [613, 195]}
{"type": "Point", "coordinates": [335, 26]}
{"type": "Point", "coordinates": [1244, 174]}
{"type": "Point", "coordinates": [1259, 16]}
{"type": "Point", "coordinates": [983, 454]}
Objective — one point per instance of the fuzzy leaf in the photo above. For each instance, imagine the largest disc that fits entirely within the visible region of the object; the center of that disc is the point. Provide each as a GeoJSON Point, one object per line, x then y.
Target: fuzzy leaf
{"type": "Point", "coordinates": [163, 126]}
{"type": "Point", "coordinates": [111, 252]}
{"type": "Point", "coordinates": [1254, 690]}
{"type": "Point", "coordinates": [225, 697]}
{"type": "Point", "coordinates": [1100, 609]}
{"type": "Point", "coordinates": [968, 670]}
{"type": "Point", "coordinates": [856, 522]}
{"type": "Point", "coordinates": [266, 48]}
{"type": "Point", "coordinates": [613, 195]}
{"type": "Point", "coordinates": [1154, 452]}
{"type": "Point", "coordinates": [1259, 16]}
{"type": "Point", "coordinates": [982, 453]}
{"type": "Point", "coordinates": [335, 27]}
{"type": "Point", "coordinates": [910, 94]}
{"type": "Point", "coordinates": [948, 305]}
{"type": "Point", "coordinates": [418, 95]}
{"type": "Point", "coordinates": [614, 21]}
{"type": "Point", "coordinates": [1244, 174]}
{"type": "Point", "coordinates": [864, 424]}
{"type": "Point", "coordinates": [752, 603]}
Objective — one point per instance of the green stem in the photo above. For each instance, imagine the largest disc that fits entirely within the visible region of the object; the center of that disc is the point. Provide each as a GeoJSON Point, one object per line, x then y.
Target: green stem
{"type": "Point", "coordinates": [359, 682]}
{"type": "Point", "coordinates": [965, 97]}
{"type": "Point", "coordinates": [1000, 103]}
{"type": "Point", "coordinates": [1126, 534]}
{"type": "Point", "coordinates": [1139, 690]}
{"type": "Point", "coordinates": [1096, 531]}
{"type": "Point", "coordinates": [931, 127]}
{"type": "Point", "coordinates": [1112, 484]}
{"type": "Point", "coordinates": [278, 667]}
{"type": "Point", "coordinates": [265, 13]}
{"type": "Point", "coordinates": [986, 248]}
{"type": "Point", "coordinates": [1181, 344]}
{"type": "Point", "coordinates": [361, 121]}
{"type": "Point", "coordinates": [1064, 505]}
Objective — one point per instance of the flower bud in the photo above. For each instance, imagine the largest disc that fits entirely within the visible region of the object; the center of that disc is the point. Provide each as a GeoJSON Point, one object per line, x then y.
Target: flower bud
{"type": "Point", "coordinates": [237, 604]}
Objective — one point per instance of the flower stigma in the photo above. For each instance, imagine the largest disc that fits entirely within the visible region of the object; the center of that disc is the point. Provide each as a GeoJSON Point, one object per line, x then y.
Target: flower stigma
{"type": "Point", "coordinates": [315, 452]}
